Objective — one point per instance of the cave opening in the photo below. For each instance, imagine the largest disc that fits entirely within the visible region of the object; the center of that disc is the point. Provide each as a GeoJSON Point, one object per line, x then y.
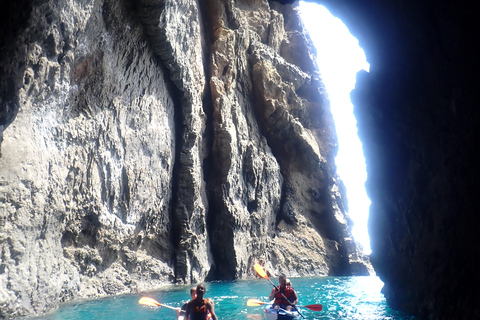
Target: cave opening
{"type": "Point", "coordinates": [339, 58]}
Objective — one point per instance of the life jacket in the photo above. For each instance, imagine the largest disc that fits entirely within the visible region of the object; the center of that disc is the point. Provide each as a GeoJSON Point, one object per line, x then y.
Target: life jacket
{"type": "Point", "coordinates": [288, 292]}
{"type": "Point", "coordinates": [200, 312]}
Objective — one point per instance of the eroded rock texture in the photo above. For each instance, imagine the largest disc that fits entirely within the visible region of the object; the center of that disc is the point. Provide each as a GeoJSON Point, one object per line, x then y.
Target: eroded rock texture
{"type": "Point", "coordinates": [87, 163]}
{"type": "Point", "coordinates": [158, 141]}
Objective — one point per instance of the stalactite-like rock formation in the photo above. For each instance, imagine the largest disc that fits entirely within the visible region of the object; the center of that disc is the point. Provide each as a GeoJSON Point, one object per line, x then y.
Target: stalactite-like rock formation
{"type": "Point", "coordinates": [150, 142]}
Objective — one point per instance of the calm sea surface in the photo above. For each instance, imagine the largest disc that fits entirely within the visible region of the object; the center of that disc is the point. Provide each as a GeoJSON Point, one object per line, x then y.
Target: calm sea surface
{"type": "Point", "coordinates": [341, 297]}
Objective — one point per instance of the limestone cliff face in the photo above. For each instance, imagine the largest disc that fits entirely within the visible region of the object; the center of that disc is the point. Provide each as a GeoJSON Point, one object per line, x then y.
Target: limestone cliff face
{"type": "Point", "coordinates": [149, 142]}
{"type": "Point", "coordinates": [87, 162]}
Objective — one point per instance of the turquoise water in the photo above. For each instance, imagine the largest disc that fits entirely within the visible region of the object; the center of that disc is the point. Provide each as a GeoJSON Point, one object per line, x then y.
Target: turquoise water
{"type": "Point", "coordinates": [342, 298]}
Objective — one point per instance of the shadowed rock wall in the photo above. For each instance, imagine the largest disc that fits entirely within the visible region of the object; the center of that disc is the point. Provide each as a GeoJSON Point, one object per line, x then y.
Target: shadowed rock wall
{"type": "Point", "coordinates": [418, 119]}
{"type": "Point", "coordinates": [151, 142]}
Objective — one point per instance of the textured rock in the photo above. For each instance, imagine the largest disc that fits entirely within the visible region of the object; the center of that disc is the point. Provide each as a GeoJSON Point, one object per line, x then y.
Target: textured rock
{"type": "Point", "coordinates": [152, 142]}
{"type": "Point", "coordinates": [283, 138]}
{"type": "Point", "coordinates": [175, 30]}
{"type": "Point", "coordinates": [86, 166]}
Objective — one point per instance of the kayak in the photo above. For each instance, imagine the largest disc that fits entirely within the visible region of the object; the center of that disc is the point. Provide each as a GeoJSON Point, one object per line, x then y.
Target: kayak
{"type": "Point", "coordinates": [182, 316]}
{"type": "Point", "coordinates": [280, 314]}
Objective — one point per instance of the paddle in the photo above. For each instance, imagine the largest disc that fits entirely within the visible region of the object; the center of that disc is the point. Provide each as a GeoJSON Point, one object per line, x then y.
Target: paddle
{"type": "Point", "coordinates": [256, 303]}
{"type": "Point", "coordinates": [154, 303]}
{"type": "Point", "coordinates": [264, 275]}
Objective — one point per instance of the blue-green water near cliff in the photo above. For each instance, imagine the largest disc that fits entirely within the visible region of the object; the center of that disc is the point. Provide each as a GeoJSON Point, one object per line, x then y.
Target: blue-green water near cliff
{"type": "Point", "coordinates": [355, 298]}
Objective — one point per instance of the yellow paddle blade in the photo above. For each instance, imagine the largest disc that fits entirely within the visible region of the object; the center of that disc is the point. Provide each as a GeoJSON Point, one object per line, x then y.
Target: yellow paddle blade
{"type": "Point", "coordinates": [149, 302]}
{"type": "Point", "coordinates": [255, 303]}
{"type": "Point", "coordinates": [260, 271]}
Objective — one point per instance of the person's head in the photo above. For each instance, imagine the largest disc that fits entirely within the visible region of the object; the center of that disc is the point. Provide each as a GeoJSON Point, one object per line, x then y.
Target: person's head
{"type": "Point", "coordinates": [193, 293]}
{"type": "Point", "coordinates": [200, 291]}
{"type": "Point", "coordinates": [282, 280]}
{"type": "Point", "coordinates": [288, 283]}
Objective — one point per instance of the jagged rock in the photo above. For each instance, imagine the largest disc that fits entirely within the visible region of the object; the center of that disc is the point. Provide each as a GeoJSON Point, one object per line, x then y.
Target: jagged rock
{"type": "Point", "coordinates": [175, 30]}
{"type": "Point", "coordinates": [152, 142]}
{"type": "Point", "coordinates": [86, 166]}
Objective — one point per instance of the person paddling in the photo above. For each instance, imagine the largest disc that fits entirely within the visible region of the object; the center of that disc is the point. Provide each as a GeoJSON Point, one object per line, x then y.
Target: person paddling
{"type": "Point", "coordinates": [199, 307]}
{"type": "Point", "coordinates": [183, 309]}
{"type": "Point", "coordinates": [285, 297]}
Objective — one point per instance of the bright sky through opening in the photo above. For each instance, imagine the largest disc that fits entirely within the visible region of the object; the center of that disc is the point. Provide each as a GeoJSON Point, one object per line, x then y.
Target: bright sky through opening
{"type": "Point", "coordinates": [339, 58]}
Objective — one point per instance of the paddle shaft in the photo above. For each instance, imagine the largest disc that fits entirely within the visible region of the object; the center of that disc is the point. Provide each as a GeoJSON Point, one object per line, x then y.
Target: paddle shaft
{"type": "Point", "coordinates": [168, 307]}
{"type": "Point", "coordinates": [152, 302]}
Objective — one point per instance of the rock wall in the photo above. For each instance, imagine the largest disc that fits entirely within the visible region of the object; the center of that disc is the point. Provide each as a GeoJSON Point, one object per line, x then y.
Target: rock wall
{"type": "Point", "coordinates": [150, 142]}
{"type": "Point", "coordinates": [87, 162]}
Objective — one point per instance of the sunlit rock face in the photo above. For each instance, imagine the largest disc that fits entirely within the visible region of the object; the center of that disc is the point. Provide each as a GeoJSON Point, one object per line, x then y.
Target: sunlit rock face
{"type": "Point", "coordinates": [151, 142]}
{"type": "Point", "coordinates": [87, 161]}
{"type": "Point", "coordinates": [418, 119]}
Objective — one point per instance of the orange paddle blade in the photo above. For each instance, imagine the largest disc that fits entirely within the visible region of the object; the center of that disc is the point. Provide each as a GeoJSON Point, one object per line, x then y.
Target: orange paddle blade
{"type": "Point", "coordinates": [314, 307]}
{"type": "Point", "coordinates": [255, 303]}
{"type": "Point", "coordinates": [149, 302]}
{"type": "Point", "coordinates": [260, 271]}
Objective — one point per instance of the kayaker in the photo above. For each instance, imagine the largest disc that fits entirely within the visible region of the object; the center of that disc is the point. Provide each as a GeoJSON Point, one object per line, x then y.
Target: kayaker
{"type": "Point", "coordinates": [181, 312]}
{"type": "Point", "coordinates": [199, 307]}
{"type": "Point", "coordinates": [285, 297]}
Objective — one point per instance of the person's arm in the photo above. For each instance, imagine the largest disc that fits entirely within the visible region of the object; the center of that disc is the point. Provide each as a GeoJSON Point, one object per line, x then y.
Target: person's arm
{"type": "Point", "coordinates": [272, 294]}
{"type": "Point", "coordinates": [211, 309]}
{"type": "Point", "coordinates": [189, 309]}
{"type": "Point", "coordinates": [295, 297]}
{"type": "Point", "coordinates": [181, 311]}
